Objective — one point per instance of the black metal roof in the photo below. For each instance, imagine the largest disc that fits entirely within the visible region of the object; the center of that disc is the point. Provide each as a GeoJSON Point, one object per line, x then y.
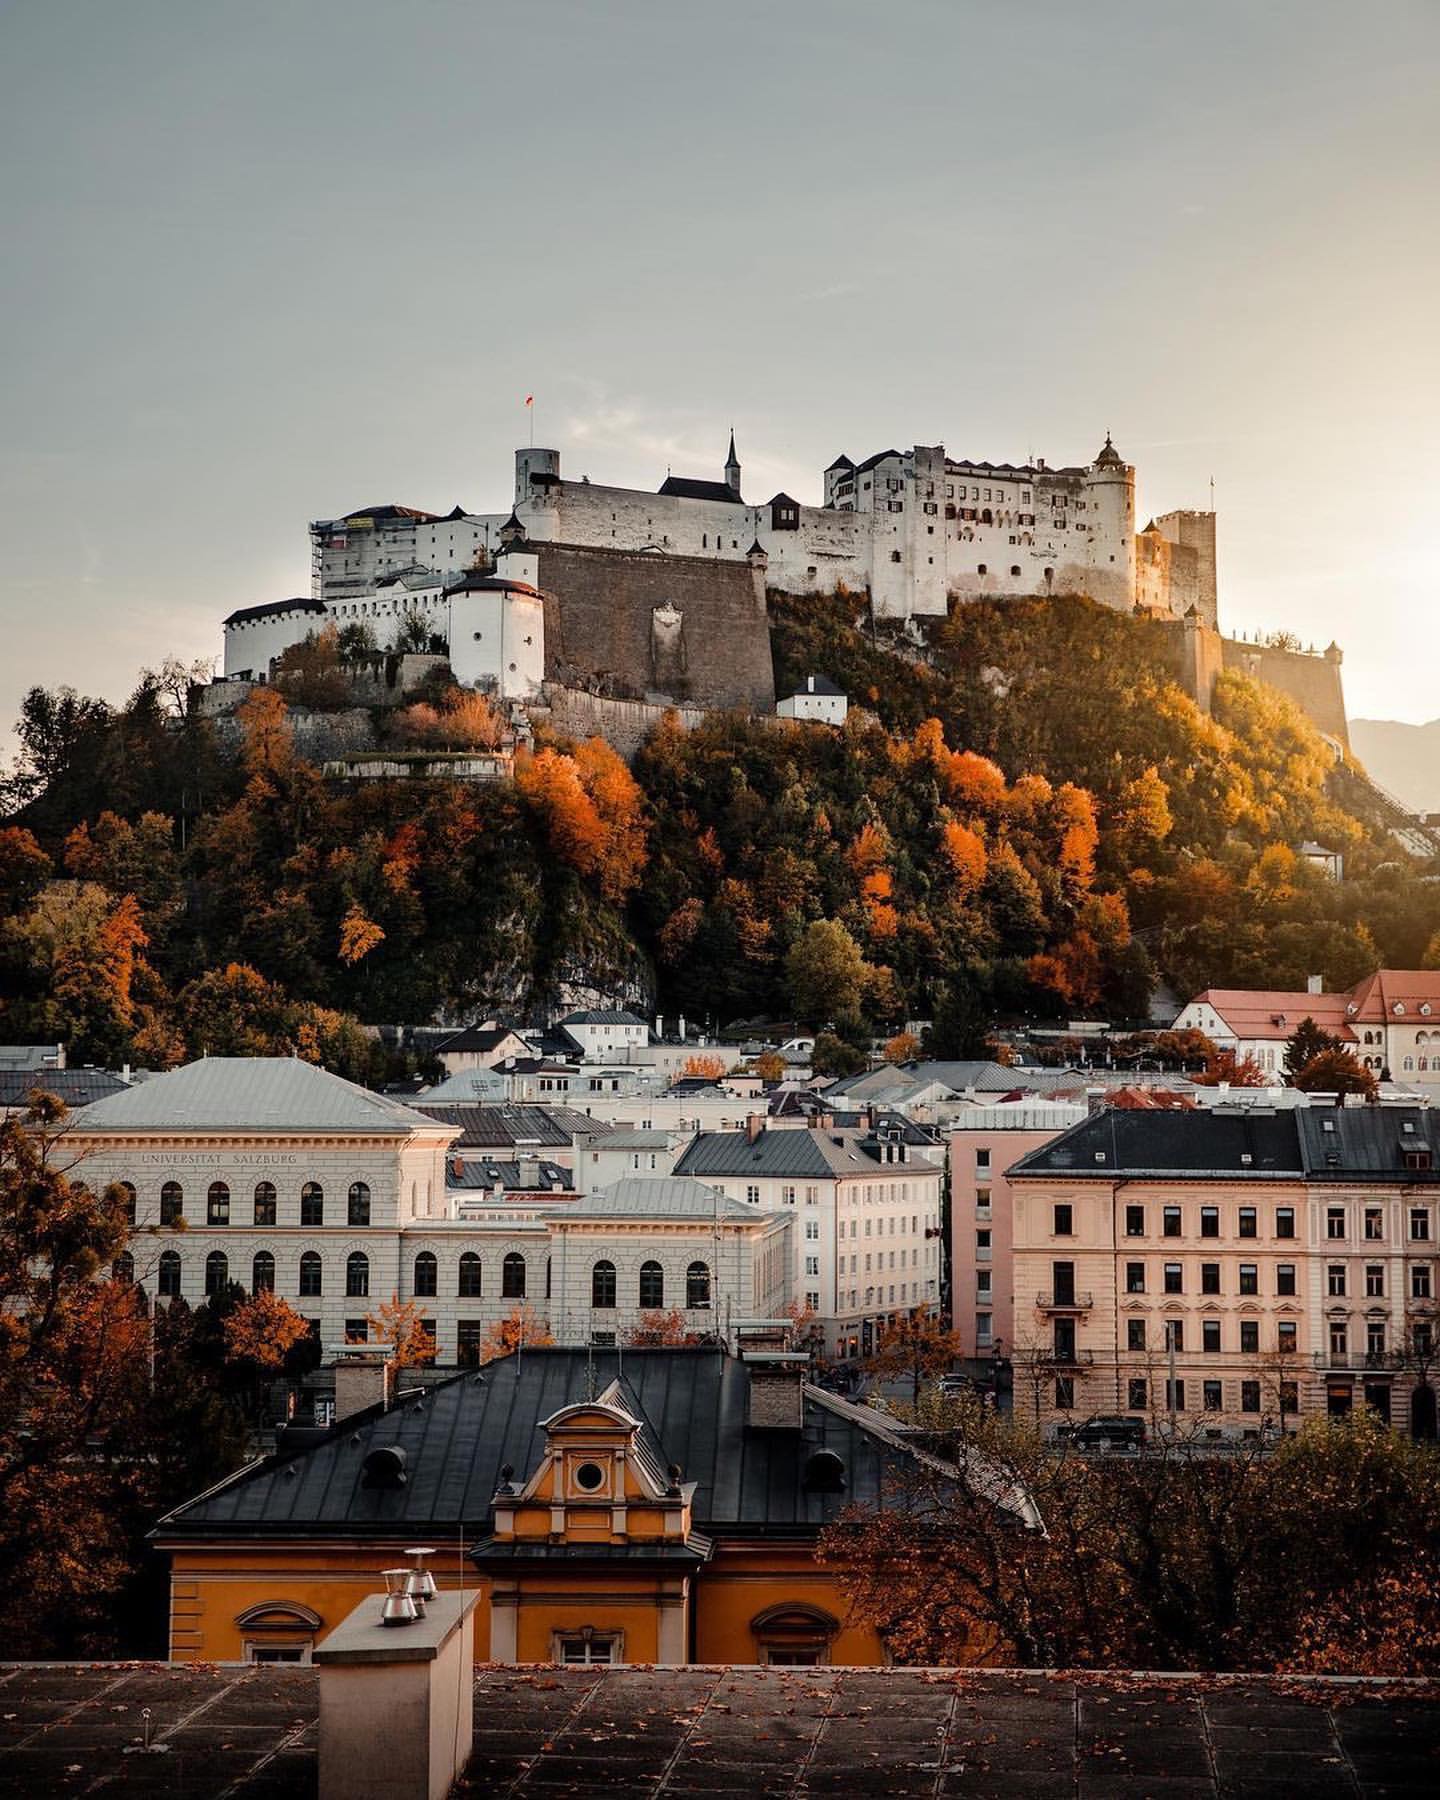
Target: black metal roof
{"type": "Point", "coordinates": [823, 1154]}
{"type": "Point", "coordinates": [273, 608]}
{"type": "Point", "coordinates": [1350, 1144]}
{"type": "Point", "coordinates": [871, 461]}
{"type": "Point", "coordinates": [476, 1037]}
{"type": "Point", "coordinates": [457, 1437]}
{"type": "Point", "coordinates": [483, 1173]}
{"type": "Point", "coordinates": [684, 487]}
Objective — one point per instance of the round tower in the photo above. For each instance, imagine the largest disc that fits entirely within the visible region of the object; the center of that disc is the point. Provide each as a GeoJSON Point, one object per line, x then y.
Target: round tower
{"type": "Point", "coordinates": [537, 492]}
{"type": "Point", "coordinates": [1110, 515]}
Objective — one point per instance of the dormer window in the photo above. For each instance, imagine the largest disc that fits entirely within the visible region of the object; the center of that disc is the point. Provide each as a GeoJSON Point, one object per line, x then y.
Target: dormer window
{"type": "Point", "coordinates": [1417, 1159]}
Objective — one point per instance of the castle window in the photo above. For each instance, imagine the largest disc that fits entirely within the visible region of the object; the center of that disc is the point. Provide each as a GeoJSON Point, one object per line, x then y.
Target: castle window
{"type": "Point", "coordinates": [265, 1203]}
{"type": "Point", "coordinates": [981, 569]}
{"type": "Point", "coordinates": [894, 556]}
{"type": "Point", "coordinates": [1014, 568]}
{"type": "Point", "coordinates": [602, 1285]}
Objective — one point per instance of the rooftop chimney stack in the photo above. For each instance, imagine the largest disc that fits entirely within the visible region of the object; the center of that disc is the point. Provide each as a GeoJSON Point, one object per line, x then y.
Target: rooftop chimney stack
{"type": "Point", "coordinates": [362, 1378]}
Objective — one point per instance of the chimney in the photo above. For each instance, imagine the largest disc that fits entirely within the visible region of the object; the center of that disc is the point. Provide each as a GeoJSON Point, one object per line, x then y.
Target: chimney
{"type": "Point", "coordinates": [754, 1125]}
{"type": "Point", "coordinates": [529, 1171]}
{"type": "Point", "coordinates": [362, 1378]}
{"type": "Point", "coordinates": [682, 1028]}
{"type": "Point", "coordinates": [457, 1166]}
{"type": "Point", "coordinates": [1314, 984]}
{"type": "Point", "coordinates": [777, 1389]}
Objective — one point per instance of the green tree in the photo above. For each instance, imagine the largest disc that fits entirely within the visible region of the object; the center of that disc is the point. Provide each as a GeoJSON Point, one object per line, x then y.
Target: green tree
{"type": "Point", "coordinates": [827, 976]}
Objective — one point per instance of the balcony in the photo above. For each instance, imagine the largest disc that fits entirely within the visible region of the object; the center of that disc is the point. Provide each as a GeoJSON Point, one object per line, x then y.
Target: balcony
{"type": "Point", "coordinates": [1048, 1361]}
{"type": "Point", "coordinates": [1064, 1301]}
{"type": "Point", "coordinates": [1357, 1359]}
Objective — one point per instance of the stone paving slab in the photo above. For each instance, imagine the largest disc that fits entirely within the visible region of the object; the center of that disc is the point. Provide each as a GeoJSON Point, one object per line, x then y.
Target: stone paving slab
{"type": "Point", "coordinates": [233, 1733]}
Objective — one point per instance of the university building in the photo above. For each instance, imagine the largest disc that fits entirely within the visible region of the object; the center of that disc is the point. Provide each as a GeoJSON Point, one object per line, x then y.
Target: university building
{"type": "Point", "coordinates": [272, 1174]}
{"type": "Point", "coordinates": [1226, 1270]}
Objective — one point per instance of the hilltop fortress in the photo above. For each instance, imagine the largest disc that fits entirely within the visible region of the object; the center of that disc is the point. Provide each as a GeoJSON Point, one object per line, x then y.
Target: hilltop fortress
{"type": "Point", "coordinates": [661, 596]}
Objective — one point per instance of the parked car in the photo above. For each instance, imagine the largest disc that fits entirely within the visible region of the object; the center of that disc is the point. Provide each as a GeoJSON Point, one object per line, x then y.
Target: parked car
{"type": "Point", "coordinates": [1110, 1431]}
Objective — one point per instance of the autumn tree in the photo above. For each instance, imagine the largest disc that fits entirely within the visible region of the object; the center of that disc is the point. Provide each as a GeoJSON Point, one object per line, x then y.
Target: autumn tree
{"type": "Point", "coordinates": [1336, 1072]}
{"type": "Point", "coordinates": [834, 1057]}
{"type": "Point", "coordinates": [1226, 1066]}
{"type": "Point", "coordinates": [522, 1328]}
{"type": "Point", "coordinates": [658, 1329]}
{"type": "Point", "coordinates": [917, 1345]}
{"type": "Point", "coordinates": [401, 1324]}
{"type": "Point", "coordinates": [703, 1067]}
{"type": "Point", "coordinates": [770, 1066]}
{"type": "Point", "coordinates": [1306, 1042]}
{"type": "Point", "coordinates": [260, 1333]}
{"type": "Point", "coordinates": [904, 1047]}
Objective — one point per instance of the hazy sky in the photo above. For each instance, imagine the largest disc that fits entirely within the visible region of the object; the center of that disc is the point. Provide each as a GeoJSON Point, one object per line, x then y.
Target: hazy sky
{"type": "Point", "coordinates": [271, 260]}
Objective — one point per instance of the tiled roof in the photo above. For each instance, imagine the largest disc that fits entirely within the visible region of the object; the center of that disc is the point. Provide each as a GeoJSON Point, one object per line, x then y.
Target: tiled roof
{"type": "Point", "coordinates": [250, 1093]}
{"type": "Point", "coordinates": [794, 1151]}
{"type": "Point", "coordinates": [1379, 994]}
{"type": "Point", "coordinates": [502, 1126]}
{"type": "Point", "coordinates": [1273, 1013]}
{"type": "Point", "coordinates": [459, 1436]}
{"type": "Point", "coordinates": [76, 1087]}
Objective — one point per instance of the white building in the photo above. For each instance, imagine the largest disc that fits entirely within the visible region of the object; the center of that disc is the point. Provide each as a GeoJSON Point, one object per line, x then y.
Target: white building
{"type": "Point", "coordinates": [867, 1236]}
{"type": "Point", "coordinates": [817, 698]}
{"type": "Point", "coordinates": [273, 1174]}
{"type": "Point", "coordinates": [621, 1155]}
{"type": "Point", "coordinates": [493, 625]}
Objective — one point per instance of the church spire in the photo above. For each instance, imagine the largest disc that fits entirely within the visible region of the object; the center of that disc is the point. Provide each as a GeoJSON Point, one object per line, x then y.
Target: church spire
{"type": "Point", "coordinates": [732, 467]}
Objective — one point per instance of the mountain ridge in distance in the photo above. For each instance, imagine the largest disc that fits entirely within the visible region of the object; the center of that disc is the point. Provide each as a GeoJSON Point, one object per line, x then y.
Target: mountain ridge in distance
{"type": "Point", "coordinates": [1403, 758]}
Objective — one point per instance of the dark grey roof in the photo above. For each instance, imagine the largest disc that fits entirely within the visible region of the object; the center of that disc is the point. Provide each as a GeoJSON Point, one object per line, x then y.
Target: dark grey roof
{"type": "Point", "coordinates": [241, 1731]}
{"type": "Point", "coordinates": [477, 1037]}
{"type": "Point", "coordinates": [871, 461]}
{"type": "Point", "coordinates": [1351, 1143]}
{"type": "Point", "coordinates": [510, 1125]}
{"type": "Point", "coordinates": [273, 608]}
{"type": "Point", "coordinates": [477, 582]}
{"type": "Point", "coordinates": [1213, 1141]}
{"type": "Point", "coordinates": [477, 1174]}
{"type": "Point", "coordinates": [683, 487]}
{"type": "Point", "coordinates": [694, 1406]}
{"type": "Point", "coordinates": [660, 1197]}
{"type": "Point", "coordinates": [820, 684]}
{"type": "Point", "coordinates": [76, 1087]}
{"type": "Point", "coordinates": [793, 1151]}
{"type": "Point", "coordinates": [603, 1015]}
{"type": "Point", "coordinates": [842, 461]}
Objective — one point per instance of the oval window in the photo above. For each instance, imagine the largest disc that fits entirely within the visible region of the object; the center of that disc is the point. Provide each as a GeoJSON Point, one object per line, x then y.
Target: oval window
{"type": "Point", "coordinates": [589, 1476]}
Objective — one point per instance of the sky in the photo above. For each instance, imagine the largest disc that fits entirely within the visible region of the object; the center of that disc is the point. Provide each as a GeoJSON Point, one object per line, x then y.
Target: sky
{"type": "Point", "coordinates": [274, 260]}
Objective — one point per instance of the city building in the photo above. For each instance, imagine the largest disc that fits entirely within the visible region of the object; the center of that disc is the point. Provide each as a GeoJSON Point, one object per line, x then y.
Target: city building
{"type": "Point", "coordinates": [867, 1208]}
{"type": "Point", "coordinates": [272, 1174]}
{"type": "Point", "coordinates": [984, 1142]}
{"type": "Point", "coordinates": [1390, 1021]}
{"type": "Point", "coordinates": [647, 1506]}
{"type": "Point", "coordinates": [1226, 1268]}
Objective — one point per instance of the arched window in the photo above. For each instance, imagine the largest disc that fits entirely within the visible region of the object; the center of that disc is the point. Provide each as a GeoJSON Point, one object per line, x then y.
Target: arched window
{"type": "Point", "coordinates": [172, 1203]}
{"type": "Point", "coordinates": [652, 1285]}
{"type": "Point", "coordinates": [357, 1275]}
{"type": "Point", "coordinates": [123, 1269]}
{"type": "Point", "coordinates": [312, 1204]}
{"type": "Point", "coordinates": [265, 1203]}
{"type": "Point", "coordinates": [602, 1284]}
{"type": "Point", "coordinates": [512, 1277]}
{"type": "Point", "coordinates": [469, 1282]}
{"type": "Point", "coordinates": [359, 1203]}
{"type": "Point", "coordinates": [1407, 1062]}
{"type": "Point", "coordinates": [311, 1275]}
{"type": "Point", "coordinates": [697, 1286]}
{"type": "Point", "coordinates": [262, 1273]}
{"type": "Point", "coordinates": [217, 1272]}
{"type": "Point", "coordinates": [168, 1274]}
{"type": "Point", "coordinates": [127, 1188]}
{"type": "Point", "coordinates": [217, 1204]}
{"type": "Point", "coordinates": [426, 1274]}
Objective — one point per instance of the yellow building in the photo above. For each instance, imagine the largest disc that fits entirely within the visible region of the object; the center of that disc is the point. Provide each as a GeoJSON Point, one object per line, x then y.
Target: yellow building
{"type": "Point", "coordinates": [651, 1506]}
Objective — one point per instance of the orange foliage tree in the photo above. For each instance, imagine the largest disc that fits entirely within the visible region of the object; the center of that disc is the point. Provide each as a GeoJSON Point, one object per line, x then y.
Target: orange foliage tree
{"type": "Point", "coordinates": [704, 1068]}
{"type": "Point", "coordinates": [522, 1328]}
{"type": "Point", "coordinates": [263, 1329]}
{"type": "Point", "coordinates": [902, 1048]}
{"type": "Point", "coordinates": [655, 1329]}
{"type": "Point", "coordinates": [401, 1323]}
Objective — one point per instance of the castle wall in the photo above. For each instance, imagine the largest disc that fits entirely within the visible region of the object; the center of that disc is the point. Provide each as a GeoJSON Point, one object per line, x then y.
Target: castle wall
{"type": "Point", "coordinates": [624, 724]}
{"type": "Point", "coordinates": [646, 627]}
{"type": "Point", "coordinates": [1312, 682]}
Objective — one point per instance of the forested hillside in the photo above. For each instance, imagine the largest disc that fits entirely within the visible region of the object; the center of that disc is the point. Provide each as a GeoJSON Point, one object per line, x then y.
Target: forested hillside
{"type": "Point", "coordinates": [1022, 815]}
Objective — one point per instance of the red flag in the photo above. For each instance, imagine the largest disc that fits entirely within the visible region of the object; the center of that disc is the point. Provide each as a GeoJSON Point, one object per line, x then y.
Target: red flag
{"type": "Point", "coordinates": [529, 399]}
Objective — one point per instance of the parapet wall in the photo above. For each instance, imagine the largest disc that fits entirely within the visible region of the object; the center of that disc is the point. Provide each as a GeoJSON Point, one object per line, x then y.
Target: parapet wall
{"type": "Point", "coordinates": [624, 724]}
{"type": "Point", "coordinates": [1311, 680]}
